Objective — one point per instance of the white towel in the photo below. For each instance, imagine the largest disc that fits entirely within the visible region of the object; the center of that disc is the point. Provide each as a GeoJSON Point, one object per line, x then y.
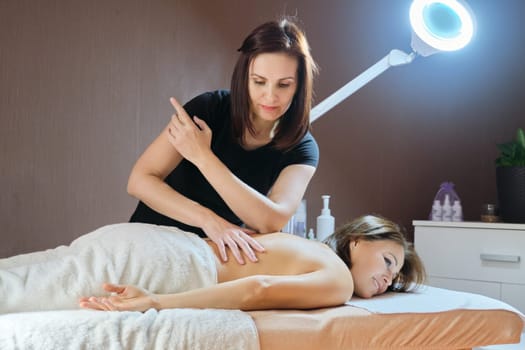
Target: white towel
{"type": "Point", "coordinates": [175, 329]}
{"type": "Point", "coordinates": [160, 259]}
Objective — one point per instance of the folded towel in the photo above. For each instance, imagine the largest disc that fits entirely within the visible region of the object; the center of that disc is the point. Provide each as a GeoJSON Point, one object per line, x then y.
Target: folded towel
{"type": "Point", "coordinates": [175, 329]}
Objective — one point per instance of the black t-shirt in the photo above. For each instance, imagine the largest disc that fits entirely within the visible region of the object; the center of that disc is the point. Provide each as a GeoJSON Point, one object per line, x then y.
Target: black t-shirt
{"type": "Point", "coordinates": [258, 168]}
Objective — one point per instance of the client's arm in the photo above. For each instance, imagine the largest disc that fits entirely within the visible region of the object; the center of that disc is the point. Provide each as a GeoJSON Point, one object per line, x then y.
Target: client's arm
{"type": "Point", "coordinates": [321, 288]}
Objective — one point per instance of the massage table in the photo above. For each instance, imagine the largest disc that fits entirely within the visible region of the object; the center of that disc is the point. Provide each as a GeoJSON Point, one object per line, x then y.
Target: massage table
{"type": "Point", "coordinates": [39, 305]}
{"type": "Point", "coordinates": [453, 320]}
{"type": "Point", "coordinates": [430, 318]}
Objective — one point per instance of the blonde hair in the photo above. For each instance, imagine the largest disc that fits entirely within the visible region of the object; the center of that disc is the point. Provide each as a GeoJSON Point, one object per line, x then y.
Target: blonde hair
{"type": "Point", "coordinates": [375, 227]}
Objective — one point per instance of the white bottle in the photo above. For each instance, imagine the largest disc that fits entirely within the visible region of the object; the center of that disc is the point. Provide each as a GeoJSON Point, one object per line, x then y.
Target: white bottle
{"type": "Point", "coordinates": [457, 211]}
{"type": "Point", "coordinates": [436, 211]}
{"type": "Point", "coordinates": [311, 234]}
{"type": "Point", "coordinates": [300, 220]}
{"type": "Point", "coordinates": [325, 221]}
{"type": "Point", "coordinates": [447, 209]}
{"type": "Point", "coordinates": [290, 225]}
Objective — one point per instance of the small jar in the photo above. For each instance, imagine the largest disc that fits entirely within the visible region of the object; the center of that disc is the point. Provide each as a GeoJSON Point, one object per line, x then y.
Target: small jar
{"type": "Point", "coordinates": [489, 213]}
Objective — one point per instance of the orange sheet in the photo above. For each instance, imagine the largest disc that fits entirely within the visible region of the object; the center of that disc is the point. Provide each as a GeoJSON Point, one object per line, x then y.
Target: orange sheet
{"type": "Point", "coordinates": [348, 327]}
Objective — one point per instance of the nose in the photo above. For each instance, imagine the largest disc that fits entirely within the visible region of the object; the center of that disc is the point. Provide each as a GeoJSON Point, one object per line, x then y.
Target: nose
{"type": "Point", "coordinates": [271, 93]}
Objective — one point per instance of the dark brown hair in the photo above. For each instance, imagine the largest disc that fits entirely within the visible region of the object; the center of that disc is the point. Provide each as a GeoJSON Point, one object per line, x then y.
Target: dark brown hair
{"type": "Point", "coordinates": [374, 227]}
{"type": "Point", "coordinates": [272, 37]}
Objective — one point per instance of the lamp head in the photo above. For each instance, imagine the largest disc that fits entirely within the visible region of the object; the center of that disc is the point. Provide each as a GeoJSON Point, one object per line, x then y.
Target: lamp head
{"type": "Point", "coordinates": [440, 25]}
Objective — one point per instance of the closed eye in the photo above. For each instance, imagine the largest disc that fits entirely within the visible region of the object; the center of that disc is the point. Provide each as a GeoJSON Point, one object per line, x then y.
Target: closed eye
{"type": "Point", "coordinates": [389, 265]}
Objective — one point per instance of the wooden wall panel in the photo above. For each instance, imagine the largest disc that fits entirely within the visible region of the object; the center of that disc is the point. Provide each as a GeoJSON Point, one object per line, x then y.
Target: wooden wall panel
{"type": "Point", "coordinates": [84, 88]}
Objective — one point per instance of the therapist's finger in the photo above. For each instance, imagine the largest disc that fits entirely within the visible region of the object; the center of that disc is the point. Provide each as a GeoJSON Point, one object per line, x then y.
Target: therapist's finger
{"type": "Point", "coordinates": [234, 249]}
{"type": "Point", "coordinates": [252, 242]}
{"type": "Point", "coordinates": [246, 248]}
{"type": "Point", "coordinates": [176, 123]}
{"type": "Point", "coordinates": [222, 250]}
{"type": "Point", "coordinates": [181, 113]}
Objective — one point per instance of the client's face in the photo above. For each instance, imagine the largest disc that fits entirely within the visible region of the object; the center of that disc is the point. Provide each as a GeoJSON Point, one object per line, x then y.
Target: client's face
{"type": "Point", "coordinates": [374, 265]}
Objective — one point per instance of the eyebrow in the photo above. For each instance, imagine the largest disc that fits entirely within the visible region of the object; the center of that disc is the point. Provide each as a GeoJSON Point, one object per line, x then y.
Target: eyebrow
{"type": "Point", "coordinates": [260, 76]}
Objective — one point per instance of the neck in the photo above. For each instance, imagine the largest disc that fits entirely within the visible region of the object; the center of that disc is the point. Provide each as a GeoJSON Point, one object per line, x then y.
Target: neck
{"type": "Point", "coordinates": [263, 135]}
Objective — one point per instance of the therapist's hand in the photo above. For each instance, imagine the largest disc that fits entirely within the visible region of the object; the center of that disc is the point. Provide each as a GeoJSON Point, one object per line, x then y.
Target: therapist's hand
{"type": "Point", "coordinates": [229, 236]}
{"type": "Point", "coordinates": [190, 137]}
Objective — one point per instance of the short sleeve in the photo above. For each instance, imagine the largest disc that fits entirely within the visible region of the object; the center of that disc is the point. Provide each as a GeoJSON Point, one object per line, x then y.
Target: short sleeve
{"type": "Point", "coordinates": [305, 152]}
{"type": "Point", "coordinates": [209, 106]}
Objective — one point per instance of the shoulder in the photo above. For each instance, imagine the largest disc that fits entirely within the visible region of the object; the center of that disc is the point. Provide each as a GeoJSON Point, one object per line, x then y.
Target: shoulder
{"type": "Point", "coordinates": [216, 97]}
{"type": "Point", "coordinates": [209, 105]}
{"type": "Point", "coordinates": [308, 142]}
{"type": "Point", "coordinates": [305, 152]}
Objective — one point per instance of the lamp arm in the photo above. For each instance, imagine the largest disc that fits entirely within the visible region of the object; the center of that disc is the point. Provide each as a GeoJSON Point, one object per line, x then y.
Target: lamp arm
{"type": "Point", "coordinates": [394, 58]}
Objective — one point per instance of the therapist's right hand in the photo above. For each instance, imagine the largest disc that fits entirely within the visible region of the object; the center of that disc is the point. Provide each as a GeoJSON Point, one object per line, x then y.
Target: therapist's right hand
{"type": "Point", "coordinates": [229, 236]}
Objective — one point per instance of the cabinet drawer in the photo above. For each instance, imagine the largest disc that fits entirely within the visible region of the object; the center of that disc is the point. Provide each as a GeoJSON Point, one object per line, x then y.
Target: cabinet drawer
{"type": "Point", "coordinates": [489, 289]}
{"type": "Point", "coordinates": [514, 294]}
{"type": "Point", "coordinates": [472, 253]}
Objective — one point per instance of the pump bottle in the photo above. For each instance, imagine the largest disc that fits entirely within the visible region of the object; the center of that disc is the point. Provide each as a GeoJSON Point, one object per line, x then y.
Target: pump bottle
{"type": "Point", "coordinates": [457, 212]}
{"type": "Point", "coordinates": [300, 220]}
{"type": "Point", "coordinates": [447, 209]}
{"type": "Point", "coordinates": [325, 221]}
{"type": "Point", "coordinates": [437, 212]}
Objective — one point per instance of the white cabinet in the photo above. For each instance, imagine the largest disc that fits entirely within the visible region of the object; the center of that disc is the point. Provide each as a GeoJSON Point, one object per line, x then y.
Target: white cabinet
{"type": "Point", "coordinates": [476, 257]}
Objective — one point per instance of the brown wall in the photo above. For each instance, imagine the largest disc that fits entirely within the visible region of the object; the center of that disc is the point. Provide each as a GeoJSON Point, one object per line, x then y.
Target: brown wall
{"type": "Point", "coordinates": [84, 87]}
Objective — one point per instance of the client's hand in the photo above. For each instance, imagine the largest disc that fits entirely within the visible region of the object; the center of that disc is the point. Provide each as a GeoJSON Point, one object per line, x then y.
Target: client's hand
{"type": "Point", "coordinates": [125, 298]}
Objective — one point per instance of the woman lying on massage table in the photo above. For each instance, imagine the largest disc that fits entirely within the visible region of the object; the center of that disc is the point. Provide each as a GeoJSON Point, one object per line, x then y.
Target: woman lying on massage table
{"type": "Point", "coordinates": [365, 257]}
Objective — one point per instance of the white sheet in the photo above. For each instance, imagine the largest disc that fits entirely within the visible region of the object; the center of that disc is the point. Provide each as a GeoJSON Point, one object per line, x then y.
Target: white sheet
{"type": "Point", "coordinates": [429, 299]}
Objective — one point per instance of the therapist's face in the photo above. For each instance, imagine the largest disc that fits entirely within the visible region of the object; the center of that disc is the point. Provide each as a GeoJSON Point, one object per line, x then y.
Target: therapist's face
{"type": "Point", "coordinates": [272, 85]}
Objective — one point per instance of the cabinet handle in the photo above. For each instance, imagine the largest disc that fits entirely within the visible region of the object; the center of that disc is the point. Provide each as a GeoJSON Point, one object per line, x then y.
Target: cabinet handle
{"type": "Point", "coordinates": [500, 258]}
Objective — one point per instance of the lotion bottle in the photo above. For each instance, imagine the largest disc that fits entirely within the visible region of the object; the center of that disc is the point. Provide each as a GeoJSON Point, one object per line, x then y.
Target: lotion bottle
{"type": "Point", "coordinates": [447, 209]}
{"type": "Point", "coordinates": [457, 211]}
{"type": "Point", "coordinates": [436, 211]}
{"type": "Point", "coordinates": [325, 221]}
{"type": "Point", "coordinates": [311, 234]}
{"type": "Point", "coordinates": [300, 220]}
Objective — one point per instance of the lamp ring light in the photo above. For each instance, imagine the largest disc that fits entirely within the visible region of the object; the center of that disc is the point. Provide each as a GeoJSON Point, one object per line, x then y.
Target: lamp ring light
{"type": "Point", "coordinates": [440, 25]}
{"type": "Point", "coordinates": [437, 25]}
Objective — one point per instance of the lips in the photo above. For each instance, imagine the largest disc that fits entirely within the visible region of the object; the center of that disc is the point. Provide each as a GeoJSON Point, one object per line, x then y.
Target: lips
{"type": "Point", "coordinates": [269, 108]}
{"type": "Point", "coordinates": [380, 288]}
{"type": "Point", "coordinates": [376, 285]}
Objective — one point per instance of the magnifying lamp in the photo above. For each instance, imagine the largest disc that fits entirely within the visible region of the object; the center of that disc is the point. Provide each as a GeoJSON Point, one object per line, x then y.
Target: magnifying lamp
{"type": "Point", "coordinates": [437, 26]}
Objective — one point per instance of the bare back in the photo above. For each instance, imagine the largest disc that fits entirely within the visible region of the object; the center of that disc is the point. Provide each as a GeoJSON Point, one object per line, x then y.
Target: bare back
{"type": "Point", "coordinates": [285, 254]}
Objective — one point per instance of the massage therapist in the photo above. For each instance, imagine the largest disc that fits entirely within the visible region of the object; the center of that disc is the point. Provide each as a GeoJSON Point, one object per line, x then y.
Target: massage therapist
{"type": "Point", "coordinates": [232, 163]}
